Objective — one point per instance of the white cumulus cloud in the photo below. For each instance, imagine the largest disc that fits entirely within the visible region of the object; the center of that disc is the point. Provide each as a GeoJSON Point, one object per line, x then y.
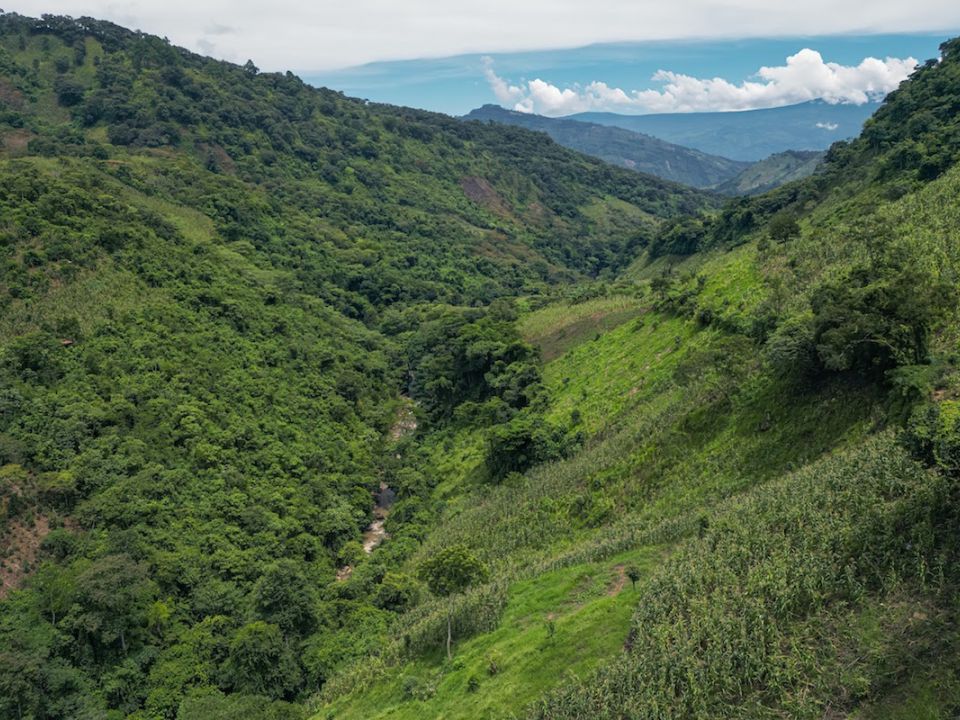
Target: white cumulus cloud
{"type": "Point", "coordinates": [504, 91]}
{"type": "Point", "coordinates": [805, 76]}
{"type": "Point", "coordinates": [831, 126]}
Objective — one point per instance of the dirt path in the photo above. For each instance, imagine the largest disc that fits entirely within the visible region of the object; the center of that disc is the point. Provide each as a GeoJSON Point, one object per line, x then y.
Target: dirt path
{"type": "Point", "coordinates": [617, 585]}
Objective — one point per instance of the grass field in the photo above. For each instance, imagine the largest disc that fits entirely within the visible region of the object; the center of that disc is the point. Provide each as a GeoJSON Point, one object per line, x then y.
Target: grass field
{"type": "Point", "coordinates": [560, 624]}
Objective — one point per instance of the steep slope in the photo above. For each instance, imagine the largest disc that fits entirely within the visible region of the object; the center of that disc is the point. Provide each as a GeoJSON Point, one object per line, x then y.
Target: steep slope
{"type": "Point", "coordinates": [749, 135]}
{"type": "Point", "coordinates": [208, 284]}
{"type": "Point", "coordinates": [772, 172]}
{"type": "Point", "coordinates": [768, 442]}
{"type": "Point", "coordinates": [622, 147]}
{"type": "Point", "coordinates": [731, 492]}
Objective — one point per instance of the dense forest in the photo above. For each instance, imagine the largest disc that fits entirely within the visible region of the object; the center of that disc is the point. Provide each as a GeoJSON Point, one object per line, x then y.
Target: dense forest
{"type": "Point", "coordinates": [215, 284]}
{"type": "Point", "coordinates": [654, 454]}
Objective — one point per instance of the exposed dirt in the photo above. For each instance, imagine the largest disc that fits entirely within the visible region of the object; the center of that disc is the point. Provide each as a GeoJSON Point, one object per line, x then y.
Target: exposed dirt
{"type": "Point", "coordinates": [15, 142]}
{"type": "Point", "coordinates": [10, 95]}
{"type": "Point", "coordinates": [21, 545]}
{"type": "Point", "coordinates": [483, 193]}
{"type": "Point", "coordinates": [556, 343]}
{"type": "Point", "coordinates": [617, 585]}
{"type": "Point", "coordinates": [219, 157]}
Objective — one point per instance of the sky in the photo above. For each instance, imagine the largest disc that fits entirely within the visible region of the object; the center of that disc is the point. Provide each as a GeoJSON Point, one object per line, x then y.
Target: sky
{"type": "Point", "coordinates": [557, 56]}
{"type": "Point", "coordinates": [648, 77]}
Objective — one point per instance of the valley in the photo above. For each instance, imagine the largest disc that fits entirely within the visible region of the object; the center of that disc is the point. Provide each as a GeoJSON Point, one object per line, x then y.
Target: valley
{"type": "Point", "coordinates": [313, 408]}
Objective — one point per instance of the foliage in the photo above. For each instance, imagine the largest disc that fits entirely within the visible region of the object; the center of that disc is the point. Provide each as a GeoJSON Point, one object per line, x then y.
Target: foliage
{"type": "Point", "coordinates": [878, 316]}
{"type": "Point", "coordinates": [782, 227]}
{"type": "Point", "coordinates": [215, 282]}
{"type": "Point", "coordinates": [731, 607]}
{"type": "Point", "coordinates": [452, 570]}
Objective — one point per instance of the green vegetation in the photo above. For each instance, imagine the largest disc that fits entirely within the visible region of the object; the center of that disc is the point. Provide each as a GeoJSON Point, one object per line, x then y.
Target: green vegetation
{"type": "Point", "coordinates": [772, 172]}
{"type": "Point", "coordinates": [668, 459]}
{"type": "Point", "coordinates": [741, 408]}
{"type": "Point", "coordinates": [214, 285]}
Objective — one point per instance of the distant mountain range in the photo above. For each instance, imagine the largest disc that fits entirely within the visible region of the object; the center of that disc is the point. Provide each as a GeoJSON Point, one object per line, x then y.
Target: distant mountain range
{"type": "Point", "coordinates": [648, 154]}
{"type": "Point", "coordinates": [625, 148]}
{"type": "Point", "coordinates": [750, 134]}
{"type": "Point", "coordinates": [772, 172]}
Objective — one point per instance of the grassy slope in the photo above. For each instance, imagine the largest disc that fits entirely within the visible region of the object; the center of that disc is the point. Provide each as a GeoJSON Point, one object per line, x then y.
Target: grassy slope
{"type": "Point", "coordinates": [589, 605]}
{"type": "Point", "coordinates": [648, 461]}
{"type": "Point", "coordinates": [676, 438]}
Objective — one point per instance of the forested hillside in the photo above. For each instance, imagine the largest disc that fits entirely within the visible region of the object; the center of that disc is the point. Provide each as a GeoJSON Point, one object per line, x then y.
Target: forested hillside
{"type": "Point", "coordinates": [214, 285]}
{"type": "Point", "coordinates": [637, 453]}
{"type": "Point", "coordinates": [772, 172]}
{"type": "Point", "coordinates": [762, 519]}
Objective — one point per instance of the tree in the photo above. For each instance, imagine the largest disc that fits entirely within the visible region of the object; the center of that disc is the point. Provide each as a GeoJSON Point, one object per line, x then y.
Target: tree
{"type": "Point", "coordinates": [783, 226]}
{"type": "Point", "coordinates": [69, 92]}
{"type": "Point", "coordinates": [283, 596]}
{"type": "Point", "coordinates": [260, 662]}
{"type": "Point", "coordinates": [451, 571]}
{"type": "Point", "coordinates": [113, 595]}
{"type": "Point", "coordinates": [879, 315]}
{"type": "Point", "coordinates": [55, 590]}
{"type": "Point", "coordinates": [521, 443]}
{"type": "Point", "coordinates": [633, 572]}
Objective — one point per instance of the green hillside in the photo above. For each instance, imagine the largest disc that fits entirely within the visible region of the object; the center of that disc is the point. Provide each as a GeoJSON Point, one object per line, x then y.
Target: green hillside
{"type": "Point", "coordinates": [772, 172]}
{"type": "Point", "coordinates": [768, 439]}
{"type": "Point", "coordinates": [648, 456]}
{"type": "Point", "coordinates": [623, 148]}
{"type": "Point", "coordinates": [208, 276]}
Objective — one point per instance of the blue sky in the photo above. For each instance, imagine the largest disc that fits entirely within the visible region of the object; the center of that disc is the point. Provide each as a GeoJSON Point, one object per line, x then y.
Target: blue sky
{"type": "Point", "coordinates": [457, 84]}
{"type": "Point", "coordinates": [619, 45]}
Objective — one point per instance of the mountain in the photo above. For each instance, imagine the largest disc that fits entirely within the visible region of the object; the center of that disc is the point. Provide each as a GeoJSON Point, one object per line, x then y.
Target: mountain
{"type": "Point", "coordinates": [772, 172]}
{"type": "Point", "coordinates": [215, 285]}
{"type": "Point", "coordinates": [621, 147]}
{"type": "Point", "coordinates": [760, 518]}
{"type": "Point", "coordinates": [315, 408]}
{"type": "Point", "coordinates": [750, 134]}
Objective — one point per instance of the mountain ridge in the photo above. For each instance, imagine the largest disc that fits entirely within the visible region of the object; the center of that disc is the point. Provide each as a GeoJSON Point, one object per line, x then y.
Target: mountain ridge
{"type": "Point", "coordinates": [623, 148]}
{"type": "Point", "coordinates": [703, 455]}
{"type": "Point", "coordinates": [748, 135]}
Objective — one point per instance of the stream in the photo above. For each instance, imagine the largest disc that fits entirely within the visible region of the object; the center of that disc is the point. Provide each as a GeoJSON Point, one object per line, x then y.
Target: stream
{"type": "Point", "coordinates": [404, 424]}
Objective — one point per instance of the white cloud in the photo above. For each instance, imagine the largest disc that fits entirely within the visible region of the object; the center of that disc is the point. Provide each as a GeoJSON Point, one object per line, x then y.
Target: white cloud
{"type": "Point", "coordinates": [805, 76]}
{"type": "Point", "coordinates": [292, 34]}
{"type": "Point", "coordinates": [831, 126]}
{"type": "Point", "coordinates": [504, 91]}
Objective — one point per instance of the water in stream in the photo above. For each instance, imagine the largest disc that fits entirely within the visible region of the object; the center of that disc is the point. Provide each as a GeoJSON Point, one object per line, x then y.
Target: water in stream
{"type": "Point", "coordinates": [376, 533]}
